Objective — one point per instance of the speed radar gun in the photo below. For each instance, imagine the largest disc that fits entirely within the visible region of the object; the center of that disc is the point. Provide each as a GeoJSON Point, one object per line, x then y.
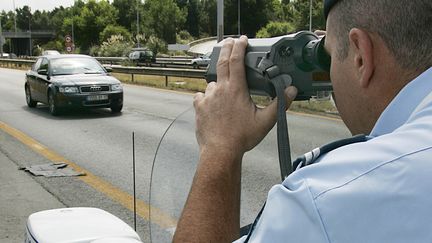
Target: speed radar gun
{"type": "Point", "coordinates": [298, 59]}
{"type": "Point", "coordinates": [272, 64]}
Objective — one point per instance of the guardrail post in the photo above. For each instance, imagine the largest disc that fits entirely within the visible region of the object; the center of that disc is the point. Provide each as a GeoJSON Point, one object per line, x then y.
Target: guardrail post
{"type": "Point", "coordinates": [133, 79]}
{"type": "Point", "coordinates": [166, 81]}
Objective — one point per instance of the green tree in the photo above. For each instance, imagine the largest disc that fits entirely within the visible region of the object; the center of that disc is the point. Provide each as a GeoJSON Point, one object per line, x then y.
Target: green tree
{"type": "Point", "coordinates": [40, 21]}
{"type": "Point", "coordinates": [23, 17]}
{"type": "Point", "coordinates": [111, 30]}
{"type": "Point", "coordinates": [192, 18]}
{"type": "Point", "coordinates": [208, 17]}
{"type": "Point", "coordinates": [286, 11]}
{"type": "Point", "coordinates": [115, 46]}
{"type": "Point", "coordinates": [92, 20]}
{"type": "Point", "coordinates": [184, 37]}
{"type": "Point", "coordinates": [156, 45]}
{"type": "Point", "coordinates": [53, 45]}
{"type": "Point", "coordinates": [301, 10]}
{"type": "Point", "coordinates": [127, 10]}
{"type": "Point", "coordinates": [7, 20]}
{"type": "Point", "coordinates": [273, 29]}
{"type": "Point", "coordinates": [162, 19]}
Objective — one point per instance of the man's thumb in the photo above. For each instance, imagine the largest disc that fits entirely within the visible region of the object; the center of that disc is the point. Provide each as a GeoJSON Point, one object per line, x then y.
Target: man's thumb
{"type": "Point", "coordinates": [290, 94]}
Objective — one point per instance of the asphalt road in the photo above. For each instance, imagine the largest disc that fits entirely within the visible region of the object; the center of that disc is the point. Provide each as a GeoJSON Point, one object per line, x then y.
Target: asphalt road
{"type": "Point", "coordinates": [101, 143]}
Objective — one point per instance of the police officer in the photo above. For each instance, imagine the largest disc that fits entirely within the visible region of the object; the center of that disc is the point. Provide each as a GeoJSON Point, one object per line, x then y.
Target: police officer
{"type": "Point", "coordinates": [373, 191]}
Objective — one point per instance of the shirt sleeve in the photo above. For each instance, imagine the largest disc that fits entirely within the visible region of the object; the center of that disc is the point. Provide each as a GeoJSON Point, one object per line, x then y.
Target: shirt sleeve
{"type": "Point", "coordinates": [241, 240]}
{"type": "Point", "coordinates": [290, 215]}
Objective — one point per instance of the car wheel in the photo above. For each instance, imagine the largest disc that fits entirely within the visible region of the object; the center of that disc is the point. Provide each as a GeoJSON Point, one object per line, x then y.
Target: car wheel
{"type": "Point", "coordinates": [195, 65]}
{"type": "Point", "coordinates": [30, 102]}
{"type": "Point", "coordinates": [116, 108]}
{"type": "Point", "coordinates": [53, 107]}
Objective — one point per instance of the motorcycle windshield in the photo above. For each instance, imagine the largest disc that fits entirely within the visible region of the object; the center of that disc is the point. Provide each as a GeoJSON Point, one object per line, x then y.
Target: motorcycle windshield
{"type": "Point", "coordinates": [172, 173]}
{"type": "Point", "coordinates": [178, 154]}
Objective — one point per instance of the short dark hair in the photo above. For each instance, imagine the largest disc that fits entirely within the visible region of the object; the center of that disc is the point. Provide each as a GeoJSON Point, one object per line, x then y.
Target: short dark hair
{"type": "Point", "coordinates": [404, 25]}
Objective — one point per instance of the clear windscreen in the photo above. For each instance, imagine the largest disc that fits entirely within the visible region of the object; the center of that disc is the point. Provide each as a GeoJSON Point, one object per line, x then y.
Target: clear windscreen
{"type": "Point", "coordinates": [172, 173]}
{"type": "Point", "coordinates": [70, 66]}
{"type": "Point", "coordinates": [178, 154]}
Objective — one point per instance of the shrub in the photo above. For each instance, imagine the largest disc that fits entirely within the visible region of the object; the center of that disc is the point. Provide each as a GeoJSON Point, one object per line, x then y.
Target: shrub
{"type": "Point", "coordinates": [273, 29]}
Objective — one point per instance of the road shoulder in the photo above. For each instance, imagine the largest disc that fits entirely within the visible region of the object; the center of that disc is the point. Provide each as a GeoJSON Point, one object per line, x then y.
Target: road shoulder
{"type": "Point", "coordinates": [21, 196]}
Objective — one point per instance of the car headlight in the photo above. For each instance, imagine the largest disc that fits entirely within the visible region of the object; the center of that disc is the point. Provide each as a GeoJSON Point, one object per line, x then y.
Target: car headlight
{"type": "Point", "coordinates": [116, 87]}
{"type": "Point", "coordinates": [68, 89]}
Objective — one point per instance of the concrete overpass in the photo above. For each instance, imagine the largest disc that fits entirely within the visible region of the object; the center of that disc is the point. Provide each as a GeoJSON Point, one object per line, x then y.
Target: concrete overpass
{"type": "Point", "coordinates": [203, 46]}
{"type": "Point", "coordinates": [21, 42]}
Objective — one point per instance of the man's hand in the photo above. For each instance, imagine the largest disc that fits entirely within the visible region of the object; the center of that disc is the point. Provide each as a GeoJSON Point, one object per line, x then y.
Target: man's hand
{"type": "Point", "coordinates": [228, 124]}
{"type": "Point", "coordinates": [226, 117]}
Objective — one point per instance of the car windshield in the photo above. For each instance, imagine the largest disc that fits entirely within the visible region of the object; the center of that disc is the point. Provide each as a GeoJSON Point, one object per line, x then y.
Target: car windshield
{"type": "Point", "coordinates": [77, 65]}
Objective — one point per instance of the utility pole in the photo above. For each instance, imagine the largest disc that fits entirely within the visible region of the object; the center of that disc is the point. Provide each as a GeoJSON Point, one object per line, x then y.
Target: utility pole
{"type": "Point", "coordinates": [220, 20]}
{"type": "Point", "coordinates": [138, 42]}
{"type": "Point", "coordinates": [30, 40]}
{"type": "Point", "coordinates": [238, 15]}
{"type": "Point", "coordinates": [1, 38]}
{"type": "Point", "coordinates": [310, 16]}
{"type": "Point", "coordinates": [14, 16]}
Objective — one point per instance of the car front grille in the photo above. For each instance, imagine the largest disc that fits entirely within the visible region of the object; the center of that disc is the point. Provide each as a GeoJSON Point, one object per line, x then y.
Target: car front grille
{"type": "Point", "coordinates": [96, 103]}
{"type": "Point", "coordinates": [94, 88]}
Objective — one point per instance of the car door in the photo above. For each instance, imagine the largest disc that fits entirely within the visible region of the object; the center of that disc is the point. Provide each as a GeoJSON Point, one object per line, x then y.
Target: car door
{"type": "Point", "coordinates": [31, 77]}
{"type": "Point", "coordinates": [41, 82]}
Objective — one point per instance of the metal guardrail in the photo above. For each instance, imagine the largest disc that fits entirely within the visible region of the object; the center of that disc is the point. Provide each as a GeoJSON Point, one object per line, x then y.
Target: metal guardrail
{"type": "Point", "coordinates": [16, 61]}
{"type": "Point", "coordinates": [160, 61]}
{"type": "Point", "coordinates": [156, 71]}
{"type": "Point", "coordinates": [167, 72]}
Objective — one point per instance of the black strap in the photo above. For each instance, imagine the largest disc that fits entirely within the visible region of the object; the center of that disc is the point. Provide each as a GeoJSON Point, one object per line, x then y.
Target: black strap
{"type": "Point", "coordinates": [252, 226]}
{"type": "Point", "coordinates": [283, 143]}
{"type": "Point", "coordinates": [282, 130]}
{"type": "Point", "coordinates": [312, 156]}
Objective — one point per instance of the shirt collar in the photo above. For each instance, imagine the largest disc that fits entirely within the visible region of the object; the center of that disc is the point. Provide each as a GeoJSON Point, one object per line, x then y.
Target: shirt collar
{"type": "Point", "coordinates": [403, 105]}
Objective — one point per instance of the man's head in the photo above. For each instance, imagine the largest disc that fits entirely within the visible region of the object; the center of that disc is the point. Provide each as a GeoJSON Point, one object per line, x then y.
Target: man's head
{"type": "Point", "coordinates": [377, 47]}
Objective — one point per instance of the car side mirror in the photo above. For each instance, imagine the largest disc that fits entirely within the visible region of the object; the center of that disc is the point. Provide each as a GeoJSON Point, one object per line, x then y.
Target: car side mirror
{"type": "Point", "coordinates": [108, 69]}
{"type": "Point", "coordinates": [42, 71]}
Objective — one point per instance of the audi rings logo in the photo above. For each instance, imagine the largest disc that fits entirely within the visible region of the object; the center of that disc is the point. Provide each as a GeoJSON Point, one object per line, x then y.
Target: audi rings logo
{"type": "Point", "coordinates": [95, 88]}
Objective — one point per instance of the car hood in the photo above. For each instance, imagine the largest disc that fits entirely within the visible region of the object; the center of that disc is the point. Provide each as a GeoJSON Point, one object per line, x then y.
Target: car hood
{"type": "Point", "coordinates": [84, 79]}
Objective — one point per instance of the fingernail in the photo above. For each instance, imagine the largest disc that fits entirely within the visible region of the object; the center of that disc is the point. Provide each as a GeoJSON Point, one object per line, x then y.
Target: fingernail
{"type": "Point", "coordinates": [291, 92]}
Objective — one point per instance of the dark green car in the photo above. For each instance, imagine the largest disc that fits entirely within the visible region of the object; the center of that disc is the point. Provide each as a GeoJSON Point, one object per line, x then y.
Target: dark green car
{"type": "Point", "coordinates": [62, 81]}
{"type": "Point", "coordinates": [142, 56]}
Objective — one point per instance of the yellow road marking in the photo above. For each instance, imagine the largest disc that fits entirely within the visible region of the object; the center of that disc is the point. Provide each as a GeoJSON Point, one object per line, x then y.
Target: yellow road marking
{"type": "Point", "coordinates": [158, 216]}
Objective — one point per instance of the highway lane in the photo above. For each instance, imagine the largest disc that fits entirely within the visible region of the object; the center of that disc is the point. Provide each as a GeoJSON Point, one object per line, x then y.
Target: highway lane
{"type": "Point", "coordinates": [100, 142]}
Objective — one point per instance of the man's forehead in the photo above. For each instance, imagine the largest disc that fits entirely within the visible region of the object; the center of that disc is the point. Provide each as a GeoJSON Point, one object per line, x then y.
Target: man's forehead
{"type": "Point", "coordinates": [328, 5]}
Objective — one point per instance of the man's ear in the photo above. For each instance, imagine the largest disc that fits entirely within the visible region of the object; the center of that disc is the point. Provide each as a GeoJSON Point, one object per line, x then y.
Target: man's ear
{"type": "Point", "coordinates": [361, 43]}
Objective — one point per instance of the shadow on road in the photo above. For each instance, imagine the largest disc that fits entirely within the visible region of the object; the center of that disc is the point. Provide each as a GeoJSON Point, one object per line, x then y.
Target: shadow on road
{"type": "Point", "coordinates": [72, 113]}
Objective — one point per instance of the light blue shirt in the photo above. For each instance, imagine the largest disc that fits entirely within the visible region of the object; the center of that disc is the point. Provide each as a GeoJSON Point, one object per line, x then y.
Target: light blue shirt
{"type": "Point", "coordinates": [375, 191]}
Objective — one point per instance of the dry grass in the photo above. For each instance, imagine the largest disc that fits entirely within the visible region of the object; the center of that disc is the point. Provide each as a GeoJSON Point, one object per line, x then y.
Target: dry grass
{"type": "Point", "coordinates": [15, 66]}
{"type": "Point", "coordinates": [194, 85]}
{"type": "Point", "coordinates": [174, 83]}
{"type": "Point", "coordinates": [324, 107]}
